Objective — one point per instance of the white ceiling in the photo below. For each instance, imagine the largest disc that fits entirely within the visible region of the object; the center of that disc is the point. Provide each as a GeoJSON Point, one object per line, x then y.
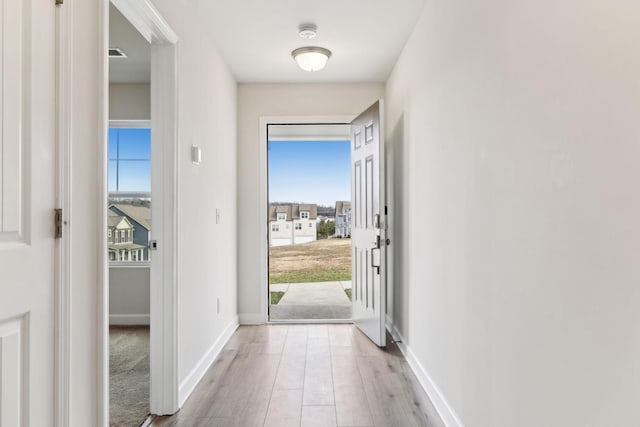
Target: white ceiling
{"type": "Point", "coordinates": [256, 37]}
{"type": "Point", "coordinates": [136, 68]}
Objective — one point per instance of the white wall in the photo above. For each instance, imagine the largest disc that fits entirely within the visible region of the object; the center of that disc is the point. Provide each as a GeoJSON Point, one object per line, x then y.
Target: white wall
{"type": "Point", "coordinates": [206, 250]}
{"type": "Point", "coordinates": [514, 129]}
{"type": "Point", "coordinates": [262, 100]}
{"type": "Point", "coordinates": [129, 295]}
{"type": "Point", "coordinates": [129, 101]}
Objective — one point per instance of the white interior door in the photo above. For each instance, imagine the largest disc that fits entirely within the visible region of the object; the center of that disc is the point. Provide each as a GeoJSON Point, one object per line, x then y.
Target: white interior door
{"type": "Point", "coordinates": [27, 201]}
{"type": "Point", "coordinates": [368, 224]}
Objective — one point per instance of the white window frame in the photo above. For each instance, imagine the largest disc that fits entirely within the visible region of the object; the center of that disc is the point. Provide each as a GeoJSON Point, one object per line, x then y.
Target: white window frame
{"type": "Point", "coordinates": [281, 216]}
{"type": "Point", "coordinates": [275, 228]}
{"type": "Point", "coordinates": [298, 226]}
{"type": "Point", "coordinates": [304, 214]}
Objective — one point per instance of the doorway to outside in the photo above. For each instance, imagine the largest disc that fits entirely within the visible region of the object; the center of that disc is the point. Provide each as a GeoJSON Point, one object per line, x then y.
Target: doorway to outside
{"type": "Point", "coordinates": [309, 222]}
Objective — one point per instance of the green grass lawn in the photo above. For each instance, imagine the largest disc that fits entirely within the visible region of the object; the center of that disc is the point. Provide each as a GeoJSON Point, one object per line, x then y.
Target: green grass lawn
{"type": "Point", "coordinates": [276, 296]}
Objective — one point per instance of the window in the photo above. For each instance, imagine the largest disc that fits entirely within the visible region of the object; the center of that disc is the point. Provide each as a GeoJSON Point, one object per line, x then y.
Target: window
{"type": "Point", "coordinates": [310, 224]}
{"type": "Point", "coordinates": [129, 184]}
{"type": "Point", "coordinates": [275, 227]}
{"type": "Point", "coordinates": [304, 215]}
{"type": "Point", "coordinates": [282, 217]}
{"type": "Point", "coordinates": [298, 226]}
{"type": "Point", "coordinates": [109, 233]}
{"type": "Point", "coordinates": [129, 160]}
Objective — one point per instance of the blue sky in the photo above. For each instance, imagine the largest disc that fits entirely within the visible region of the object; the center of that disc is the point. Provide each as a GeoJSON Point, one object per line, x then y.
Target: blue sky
{"type": "Point", "coordinates": [309, 171]}
{"type": "Point", "coordinates": [133, 149]}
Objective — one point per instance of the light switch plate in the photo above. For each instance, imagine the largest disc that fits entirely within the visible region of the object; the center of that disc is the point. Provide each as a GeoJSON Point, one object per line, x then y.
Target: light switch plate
{"type": "Point", "coordinates": [196, 155]}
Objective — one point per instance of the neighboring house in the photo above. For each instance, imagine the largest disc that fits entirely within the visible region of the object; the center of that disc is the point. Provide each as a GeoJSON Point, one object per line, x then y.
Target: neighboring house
{"type": "Point", "coordinates": [292, 224]}
{"type": "Point", "coordinates": [120, 239]}
{"type": "Point", "coordinates": [140, 218]}
{"type": "Point", "coordinates": [343, 219]}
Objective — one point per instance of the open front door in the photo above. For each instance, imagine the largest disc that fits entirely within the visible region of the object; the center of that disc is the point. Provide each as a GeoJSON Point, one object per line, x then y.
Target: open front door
{"type": "Point", "coordinates": [368, 224]}
{"type": "Point", "coordinates": [27, 201]}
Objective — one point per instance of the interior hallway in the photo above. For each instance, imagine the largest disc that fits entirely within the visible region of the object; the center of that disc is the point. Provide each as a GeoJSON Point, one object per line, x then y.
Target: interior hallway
{"type": "Point", "coordinates": [306, 375]}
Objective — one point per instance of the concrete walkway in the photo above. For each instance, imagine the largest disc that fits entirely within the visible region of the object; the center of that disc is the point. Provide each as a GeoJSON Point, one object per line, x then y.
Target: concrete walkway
{"type": "Point", "coordinates": [314, 300]}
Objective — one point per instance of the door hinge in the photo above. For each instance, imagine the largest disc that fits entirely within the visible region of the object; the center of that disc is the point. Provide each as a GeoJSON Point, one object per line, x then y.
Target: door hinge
{"type": "Point", "coordinates": [59, 2]}
{"type": "Point", "coordinates": [58, 223]}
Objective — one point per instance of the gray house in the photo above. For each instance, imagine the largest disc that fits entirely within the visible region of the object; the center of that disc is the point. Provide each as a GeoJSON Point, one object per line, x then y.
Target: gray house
{"type": "Point", "coordinates": [140, 219]}
{"type": "Point", "coordinates": [343, 219]}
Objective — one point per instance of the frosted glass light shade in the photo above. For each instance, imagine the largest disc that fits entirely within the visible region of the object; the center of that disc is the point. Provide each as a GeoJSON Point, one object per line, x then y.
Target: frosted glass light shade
{"type": "Point", "coordinates": [311, 58]}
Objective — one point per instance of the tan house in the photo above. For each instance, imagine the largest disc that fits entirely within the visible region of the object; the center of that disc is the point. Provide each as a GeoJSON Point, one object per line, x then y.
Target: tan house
{"type": "Point", "coordinates": [120, 239]}
{"type": "Point", "coordinates": [140, 219]}
{"type": "Point", "coordinates": [292, 224]}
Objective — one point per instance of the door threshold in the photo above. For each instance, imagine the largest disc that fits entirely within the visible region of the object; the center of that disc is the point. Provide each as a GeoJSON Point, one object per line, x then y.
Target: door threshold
{"type": "Point", "coordinates": [148, 421]}
{"type": "Point", "coordinates": [309, 321]}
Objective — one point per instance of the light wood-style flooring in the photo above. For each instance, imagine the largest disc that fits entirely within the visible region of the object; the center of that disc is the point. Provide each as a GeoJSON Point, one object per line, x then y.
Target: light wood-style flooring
{"type": "Point", "coordinates": [306, 375]}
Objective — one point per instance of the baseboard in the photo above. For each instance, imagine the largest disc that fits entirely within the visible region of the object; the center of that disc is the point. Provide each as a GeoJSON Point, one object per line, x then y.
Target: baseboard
{"type": "Point", "coordinates": [191, 381]}
{"type": "Point", "coordinates": [252, 319]}
{"type": "Point", "coordinates": [447, 414]}
{"type": "Point", "coordinates": [128, 319]}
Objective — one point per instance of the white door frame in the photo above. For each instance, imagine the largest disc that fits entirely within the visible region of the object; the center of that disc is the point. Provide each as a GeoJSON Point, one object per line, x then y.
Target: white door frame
{"type": "Point", "coordinates": [163, 292]}
{"type": "Point", "coordinates": [264, 188]}
{"type": "Point", "coordinates": [63, 258]}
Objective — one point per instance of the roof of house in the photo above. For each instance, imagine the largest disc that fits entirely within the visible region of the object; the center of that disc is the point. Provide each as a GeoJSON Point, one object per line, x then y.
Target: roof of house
{"type": "Point", "coordinates": [140, 214]}
{"type": "Point", "coordinates": [113, 219]}
{"type": "Point", "coordinates": [293, 211]}
{"type": "Point", "coordinates": [342, 207]}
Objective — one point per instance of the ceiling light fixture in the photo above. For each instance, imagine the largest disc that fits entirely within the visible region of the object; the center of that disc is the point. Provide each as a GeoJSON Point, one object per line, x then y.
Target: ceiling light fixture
{"type": "Point", "coordinates": [311, 58]}
{"type": "Point", "coordinates": [307, 31]}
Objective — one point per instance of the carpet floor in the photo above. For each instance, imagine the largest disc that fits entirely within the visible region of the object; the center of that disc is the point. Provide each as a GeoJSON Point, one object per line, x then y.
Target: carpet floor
{"type": "Point", "coordinates": [128, 375]}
